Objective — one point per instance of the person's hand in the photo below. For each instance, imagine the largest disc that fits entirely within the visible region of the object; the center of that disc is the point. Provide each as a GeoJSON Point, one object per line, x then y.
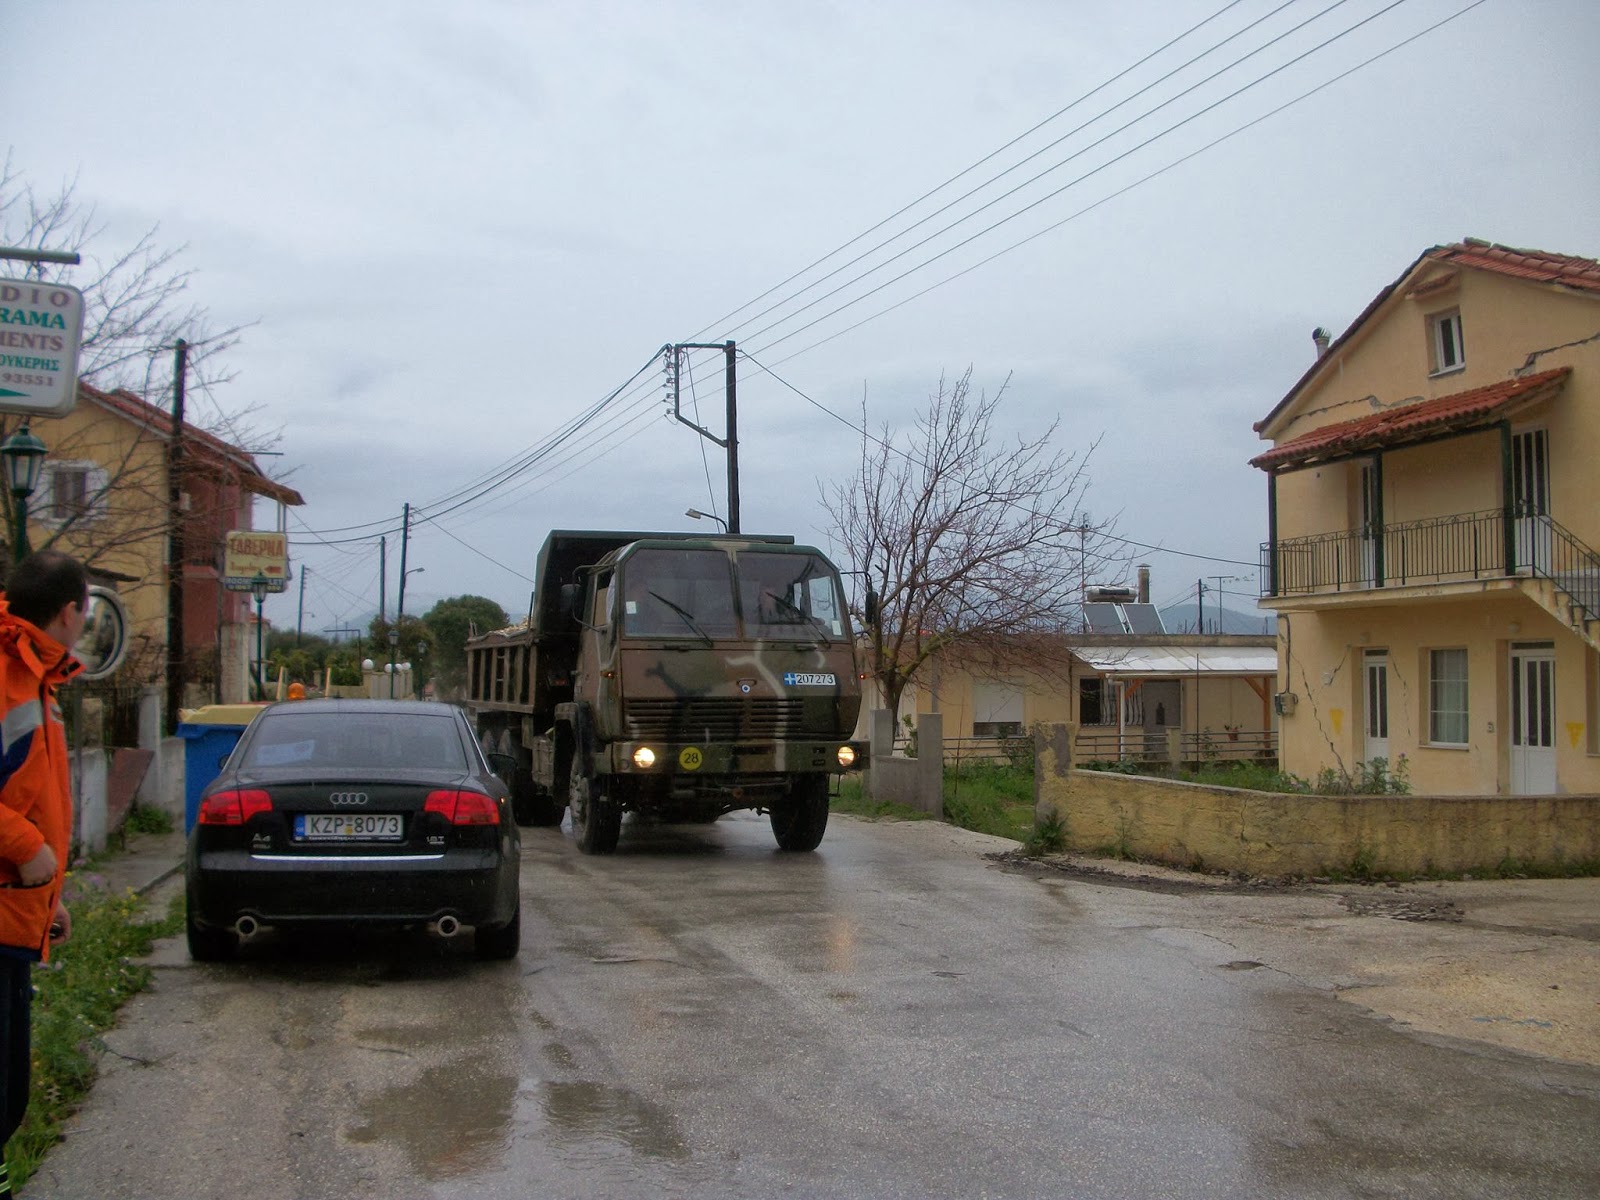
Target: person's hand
{"type": "Point", "coordinates": [60, 925]}
{"type": "Point", "coordinates": [40, 869]}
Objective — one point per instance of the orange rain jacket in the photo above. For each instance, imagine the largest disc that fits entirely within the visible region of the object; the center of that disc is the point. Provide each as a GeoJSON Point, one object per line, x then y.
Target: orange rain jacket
{"type": "Point", "coordinates": [35, 791]}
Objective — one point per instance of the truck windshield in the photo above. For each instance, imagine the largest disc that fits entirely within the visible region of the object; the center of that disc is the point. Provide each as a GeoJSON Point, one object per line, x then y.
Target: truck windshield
{"type": "Point", "coordinates": [789, 595]}
{"type": "Point", "coordinates": [677, 593]}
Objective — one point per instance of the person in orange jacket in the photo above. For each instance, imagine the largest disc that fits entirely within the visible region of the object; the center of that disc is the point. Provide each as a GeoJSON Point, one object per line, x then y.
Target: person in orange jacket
{"type": "Point", "coordinates": [41, 617]}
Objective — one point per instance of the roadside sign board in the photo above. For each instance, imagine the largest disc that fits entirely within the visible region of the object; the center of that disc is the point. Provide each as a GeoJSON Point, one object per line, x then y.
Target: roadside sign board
{"type": "Point", "coordinates": [250, 555]}
{"type": "Point", "coordinates": [41, 326]}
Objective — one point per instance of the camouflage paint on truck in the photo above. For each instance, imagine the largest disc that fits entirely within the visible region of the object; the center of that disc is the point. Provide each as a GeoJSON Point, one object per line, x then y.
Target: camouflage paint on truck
{"type": "Point", "coordinates": [682, 676]}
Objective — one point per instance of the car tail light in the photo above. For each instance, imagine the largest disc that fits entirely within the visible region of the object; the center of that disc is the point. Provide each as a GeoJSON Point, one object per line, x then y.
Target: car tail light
{"type": "Point", "coordinates": [463, 808]}
{"type": "Point", "coordinates": [233, 807]}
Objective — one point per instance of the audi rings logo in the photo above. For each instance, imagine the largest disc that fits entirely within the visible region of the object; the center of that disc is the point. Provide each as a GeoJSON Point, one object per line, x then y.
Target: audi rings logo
{"type": "Point", "coordinates": [345, 799]}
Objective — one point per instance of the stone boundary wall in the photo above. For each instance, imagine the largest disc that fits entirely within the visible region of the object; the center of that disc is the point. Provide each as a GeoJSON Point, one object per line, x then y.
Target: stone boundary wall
{"type": "Point", "coordinates": [1272, 834]}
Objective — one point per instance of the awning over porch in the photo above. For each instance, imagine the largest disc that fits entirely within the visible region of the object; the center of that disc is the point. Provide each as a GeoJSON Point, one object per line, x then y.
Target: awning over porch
{"type": "Point", "coordinates": [1167, 662]}
{"type": "Point", "coordinates": [1406, 424]}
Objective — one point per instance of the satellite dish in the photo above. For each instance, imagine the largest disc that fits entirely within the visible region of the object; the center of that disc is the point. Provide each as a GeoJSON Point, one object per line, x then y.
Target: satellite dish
{"type": "Point", "coordinates": [105, 634]}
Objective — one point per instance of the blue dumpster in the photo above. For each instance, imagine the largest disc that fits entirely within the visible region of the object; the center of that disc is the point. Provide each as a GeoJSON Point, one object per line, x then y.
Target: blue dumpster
{"type": "Point", "coordinates": [210, 734]}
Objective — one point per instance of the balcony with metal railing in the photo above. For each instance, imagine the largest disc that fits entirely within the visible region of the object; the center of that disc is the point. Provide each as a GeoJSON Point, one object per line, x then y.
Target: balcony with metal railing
{"type": "Point", "coordinates": [1462, 548]}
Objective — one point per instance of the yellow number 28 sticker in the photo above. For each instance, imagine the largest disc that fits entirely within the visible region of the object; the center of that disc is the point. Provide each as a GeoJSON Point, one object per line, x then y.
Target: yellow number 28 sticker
{"type": "Point", "coordinates": [690, 758]}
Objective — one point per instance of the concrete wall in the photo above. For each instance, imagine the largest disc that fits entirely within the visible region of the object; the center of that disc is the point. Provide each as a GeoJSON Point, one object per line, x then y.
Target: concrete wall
{"type": "Point", "coordinates": [917, 782]}
{"type": "Point", "coordinates": [1270, 834]}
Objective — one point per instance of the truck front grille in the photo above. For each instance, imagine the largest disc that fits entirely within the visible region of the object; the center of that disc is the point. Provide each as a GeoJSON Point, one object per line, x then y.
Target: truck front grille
{"type": "Point", "coordinates": [711, 719]}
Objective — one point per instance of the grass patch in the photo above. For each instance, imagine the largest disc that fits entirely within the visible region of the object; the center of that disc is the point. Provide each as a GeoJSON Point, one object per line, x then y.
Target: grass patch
{"type": "Point", "coordinates": [144, 819]}
{"type": "Point", "coordinates": [851, 801]}
{"type": "Point", "coordinates": [77, 995]}
{"type": "Point", "coordinates": [990, 797]}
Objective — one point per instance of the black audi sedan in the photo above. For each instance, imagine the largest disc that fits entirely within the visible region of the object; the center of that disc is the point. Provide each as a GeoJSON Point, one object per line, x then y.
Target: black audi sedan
{"type": "Point", "coordinates": [344, 812]}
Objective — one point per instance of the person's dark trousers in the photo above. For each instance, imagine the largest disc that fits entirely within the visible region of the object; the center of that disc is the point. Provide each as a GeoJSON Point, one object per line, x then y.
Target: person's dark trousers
{"type": "Point", "coordinates": [16, 1043]}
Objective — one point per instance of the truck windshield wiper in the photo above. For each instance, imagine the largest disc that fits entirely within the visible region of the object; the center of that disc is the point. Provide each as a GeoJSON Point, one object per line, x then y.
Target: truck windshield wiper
{"type": "Point", "coordinates": [802, 617]}
{"type": "Point", "coordinates": [688, 617]}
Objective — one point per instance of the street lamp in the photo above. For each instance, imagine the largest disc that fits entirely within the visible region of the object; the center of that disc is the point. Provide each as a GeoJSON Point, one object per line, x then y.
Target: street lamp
{"type": "Point", "coordinates": [23, 457]}
{"type": "Point", "coordinates": [258, 588]}
{"type": "Point", "coordinates": [699, 516]}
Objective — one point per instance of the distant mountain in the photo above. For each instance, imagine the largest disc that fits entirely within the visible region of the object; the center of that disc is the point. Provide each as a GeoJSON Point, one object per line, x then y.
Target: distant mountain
{"type": "Point", "coordinates": [1180, 618]}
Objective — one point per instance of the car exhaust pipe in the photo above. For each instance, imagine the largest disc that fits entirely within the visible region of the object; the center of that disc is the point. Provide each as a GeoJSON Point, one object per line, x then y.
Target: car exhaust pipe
{"type": "Point", "coordinates": [247, 927]}
{"type": "Point", "coordinates": [447, 927]}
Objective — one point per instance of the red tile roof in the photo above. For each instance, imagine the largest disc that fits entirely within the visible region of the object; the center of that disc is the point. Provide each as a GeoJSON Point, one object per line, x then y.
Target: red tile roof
{"type": "Point", "coordinates": [1540, 265]}
{"type": "Point", "coordinates": [1410, 423]}
{"type": "Point", "coordinates": [1581, 274]}
{"type": "Point", "coordinates": [207, 447]}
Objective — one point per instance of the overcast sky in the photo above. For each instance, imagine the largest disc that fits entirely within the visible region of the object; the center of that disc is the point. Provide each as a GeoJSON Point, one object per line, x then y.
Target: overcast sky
{"type": "Point", "coordinates": [458, 226]}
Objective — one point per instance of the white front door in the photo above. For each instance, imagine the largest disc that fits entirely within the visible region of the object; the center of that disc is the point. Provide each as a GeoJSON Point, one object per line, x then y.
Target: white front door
{"type": "Point", "coordinates": [1375, 705]}
{"type": "Point", "coordinates": [1533, 719]}
{"type": "Point", "coordinates": [1530, 498]}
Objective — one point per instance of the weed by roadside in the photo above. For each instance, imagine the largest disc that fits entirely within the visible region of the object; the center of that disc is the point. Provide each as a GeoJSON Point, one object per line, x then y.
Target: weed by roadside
{"type": "Point", "coordinates": [990, 797]}
{"type": "Point", "coordinates": [145, 819]}
{"type": "Point", "coordinates": [76, 997]}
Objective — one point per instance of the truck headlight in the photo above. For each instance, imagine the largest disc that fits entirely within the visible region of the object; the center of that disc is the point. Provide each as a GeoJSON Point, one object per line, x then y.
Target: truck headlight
{"type": "Point", "coordinates": [847, 756]}
{"type": "Point", "coordinates": [644, 758]}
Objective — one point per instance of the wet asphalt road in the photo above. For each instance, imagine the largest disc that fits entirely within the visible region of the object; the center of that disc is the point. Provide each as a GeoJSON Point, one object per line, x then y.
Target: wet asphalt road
{"type": "Point", "coordinates": [893, 1016]}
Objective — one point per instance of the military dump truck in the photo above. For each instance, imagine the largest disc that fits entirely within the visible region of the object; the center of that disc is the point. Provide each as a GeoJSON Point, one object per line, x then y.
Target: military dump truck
{"type": "Point", "coordinates": [674, 675]}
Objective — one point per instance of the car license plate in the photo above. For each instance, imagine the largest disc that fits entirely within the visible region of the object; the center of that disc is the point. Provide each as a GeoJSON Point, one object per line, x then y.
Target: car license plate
{"type": "Point", "coordinates": [347, 827]}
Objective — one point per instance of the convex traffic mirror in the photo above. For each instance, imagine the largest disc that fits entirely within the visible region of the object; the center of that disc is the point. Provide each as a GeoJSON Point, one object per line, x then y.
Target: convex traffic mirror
{"type": "Point", "coordinates": [105, 634]}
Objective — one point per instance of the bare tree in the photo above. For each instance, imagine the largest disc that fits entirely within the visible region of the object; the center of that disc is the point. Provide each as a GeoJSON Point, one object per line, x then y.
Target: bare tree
{"type": "Point", "coordinates": [971, 540]}
{"type": "Point", "coordinates": [136, 304]}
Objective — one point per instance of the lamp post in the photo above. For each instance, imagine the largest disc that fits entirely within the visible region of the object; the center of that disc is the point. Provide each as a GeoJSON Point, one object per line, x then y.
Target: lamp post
{"type": "Point", "coordinates": [698, 516]}
{"type": "Point", "coordinates": [23, 456]}
{"type": "Point", "coordinates": [258, 589]}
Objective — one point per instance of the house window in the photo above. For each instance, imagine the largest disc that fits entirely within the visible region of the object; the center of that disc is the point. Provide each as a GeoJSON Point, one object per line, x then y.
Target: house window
{"type": "Point", "coordinates": [1447, 697]}
{"type": "Point", "coordinates": [70, 491]}
{"type": "Point", "coordinates": [996, 710]}
{"type": "Point", "coordinates": [1448, 350]}
{"type": "Point", "coordinates": [1091, 711]}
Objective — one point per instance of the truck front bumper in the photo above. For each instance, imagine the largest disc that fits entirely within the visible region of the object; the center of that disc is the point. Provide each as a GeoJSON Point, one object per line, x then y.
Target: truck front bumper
{"type": "Point", "coordinates": [743, 759]}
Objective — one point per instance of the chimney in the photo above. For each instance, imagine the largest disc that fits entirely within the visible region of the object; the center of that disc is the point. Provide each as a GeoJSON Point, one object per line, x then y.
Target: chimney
{"type": "Point", "coordinates": [1144, 583]}
{"type": "Point", "coordinates": [1320, 337]}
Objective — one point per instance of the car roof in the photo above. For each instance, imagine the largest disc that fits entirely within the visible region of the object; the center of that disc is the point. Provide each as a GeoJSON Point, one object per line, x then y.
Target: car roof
{"type": "Point", "coordinates": [396, 707]}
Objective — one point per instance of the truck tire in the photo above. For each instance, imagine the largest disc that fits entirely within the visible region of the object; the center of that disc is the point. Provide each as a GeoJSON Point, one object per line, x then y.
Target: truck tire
{"type": "Point", "coordinates": [596, 815]}
{"type": "Point", "coordinates": [798, 821]}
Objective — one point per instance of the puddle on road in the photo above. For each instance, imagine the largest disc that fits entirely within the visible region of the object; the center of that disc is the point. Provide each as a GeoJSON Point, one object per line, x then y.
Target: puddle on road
{"type": "Point", "coordinates": [448, 1122]}
{"type": "Point", "coordinates": [591, 1110]}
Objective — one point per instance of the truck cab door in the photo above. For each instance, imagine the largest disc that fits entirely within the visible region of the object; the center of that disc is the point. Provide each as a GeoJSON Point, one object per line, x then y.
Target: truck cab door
{"type": "Point", "coordinates": [597, 680]}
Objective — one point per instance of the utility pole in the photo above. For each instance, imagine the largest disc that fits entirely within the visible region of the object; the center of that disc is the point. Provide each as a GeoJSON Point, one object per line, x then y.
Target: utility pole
{"type": "Point", "coordinates": [733, 437]}
{"type": "Point", "coordinates": [1200, 605]}
{"type": "Point", "coordinates": [300, 619]}
{"type": "Point", "coordinates": [729, 443]}
{"type": "Point", "coordinates": [400, 596]}
{"type": "Point", "coordinates": [383, 579]}
{"type": "Point", "coordinates": [176, 552]}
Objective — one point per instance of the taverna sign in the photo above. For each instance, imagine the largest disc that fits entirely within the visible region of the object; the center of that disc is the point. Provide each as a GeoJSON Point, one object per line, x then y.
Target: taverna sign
{"type": "Point", "coordinates": [41, 326]}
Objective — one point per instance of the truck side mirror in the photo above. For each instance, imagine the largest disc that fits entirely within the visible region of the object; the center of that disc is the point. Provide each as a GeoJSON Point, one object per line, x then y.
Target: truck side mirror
{"type": "Point", "coordinates": [869, 611]}
{"type": "Point", "coordinates": [571, 597]}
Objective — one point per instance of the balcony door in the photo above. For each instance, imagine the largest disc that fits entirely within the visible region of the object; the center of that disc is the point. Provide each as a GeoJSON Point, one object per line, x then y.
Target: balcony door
{"type": "Point", "coordinates": [1533, 719]}
{"type": "Point", "coordinates": [1371, 530]}
{"type": "Point", "coordinates": [1530, 498]}
{"type": "Point", "coordinates": [1375, 705]}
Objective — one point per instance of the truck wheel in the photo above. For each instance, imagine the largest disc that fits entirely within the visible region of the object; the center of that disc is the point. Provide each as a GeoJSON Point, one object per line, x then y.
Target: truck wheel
{"type": "Point", "coordinates": [596, 816]}
{"type": "Point", "coordinates": [799, 821]}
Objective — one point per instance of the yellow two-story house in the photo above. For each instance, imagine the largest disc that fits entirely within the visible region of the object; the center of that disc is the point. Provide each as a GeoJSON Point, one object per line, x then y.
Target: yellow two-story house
{"type": "Point", "coordinates": [1434, 530]}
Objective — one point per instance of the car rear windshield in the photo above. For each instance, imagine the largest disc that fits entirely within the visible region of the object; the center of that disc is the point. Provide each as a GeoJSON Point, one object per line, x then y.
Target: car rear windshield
{"type": "Point", "coordinates": [346, 740]}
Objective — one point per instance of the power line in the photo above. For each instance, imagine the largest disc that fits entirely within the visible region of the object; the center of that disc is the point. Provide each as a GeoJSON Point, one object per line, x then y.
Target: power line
{"type": "Point", "coordinates": [893, 449]}
{"type": "Point", "coordinates": [1112, 196]}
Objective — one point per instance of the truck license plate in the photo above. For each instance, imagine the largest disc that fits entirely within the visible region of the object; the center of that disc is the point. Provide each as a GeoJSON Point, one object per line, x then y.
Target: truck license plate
{"type": "Point", "coordinates": [346, 827]}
